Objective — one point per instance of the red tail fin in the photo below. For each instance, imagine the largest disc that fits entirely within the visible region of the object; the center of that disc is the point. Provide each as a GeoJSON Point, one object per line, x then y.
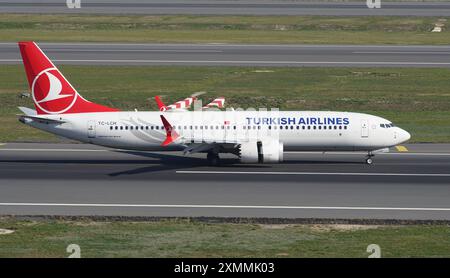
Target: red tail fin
{"type": "Point", "coordinates": [52, 93]}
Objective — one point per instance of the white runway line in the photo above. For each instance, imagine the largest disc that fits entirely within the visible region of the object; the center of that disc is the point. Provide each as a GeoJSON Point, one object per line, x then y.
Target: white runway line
{"type": "Point", "coordinates": [313, 173]}
{"type": "Point", "coordinates": [221, 206]}
{"type": "Point", "coordinates": [53, 150]}
{"type": "Point", "coordinates": [244, 62]}
{"type": "Point", "coordinates": [404, 52]}
{"type": "Point", "coordinates": [140, 50]}
{"type": "Point", "coordinates": [364, 153]}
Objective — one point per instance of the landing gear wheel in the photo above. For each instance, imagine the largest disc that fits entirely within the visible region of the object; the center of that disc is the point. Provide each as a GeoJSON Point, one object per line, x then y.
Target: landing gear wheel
{"type": "Point", "coordinates": [213, 159]}
{"type": "Point", "coordinates": [369, 160]}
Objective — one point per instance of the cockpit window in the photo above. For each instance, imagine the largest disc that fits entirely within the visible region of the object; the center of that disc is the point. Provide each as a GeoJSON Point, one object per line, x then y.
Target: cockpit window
{"type": "Point", "coordinates": [389, 125]}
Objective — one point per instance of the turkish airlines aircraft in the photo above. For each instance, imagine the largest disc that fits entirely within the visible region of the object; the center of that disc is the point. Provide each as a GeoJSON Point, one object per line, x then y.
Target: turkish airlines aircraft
{"type": "Point", "coordinates": [254, 136]}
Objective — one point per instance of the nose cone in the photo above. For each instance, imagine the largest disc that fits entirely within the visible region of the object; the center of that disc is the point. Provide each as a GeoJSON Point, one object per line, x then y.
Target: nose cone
{"type": "Point", "coordinates": [404, 136]}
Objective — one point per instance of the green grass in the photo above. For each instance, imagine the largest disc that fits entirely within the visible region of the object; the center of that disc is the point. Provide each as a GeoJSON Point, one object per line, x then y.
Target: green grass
{"type": "Point", "coordinates": [415, 99]}
{"type": "Point", "coordinates": [49, 238]}
{"type": "Point", "coordinates": [223, 29]}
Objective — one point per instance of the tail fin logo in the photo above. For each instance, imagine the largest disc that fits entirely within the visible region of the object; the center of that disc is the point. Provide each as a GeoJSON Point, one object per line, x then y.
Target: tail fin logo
{"type": "Point", "coordinates": [50, 94]}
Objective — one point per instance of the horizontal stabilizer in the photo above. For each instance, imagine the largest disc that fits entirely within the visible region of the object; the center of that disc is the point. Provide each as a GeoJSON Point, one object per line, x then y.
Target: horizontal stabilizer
{"type": "Point", "coordinates": [40, 119]}
{"type": "Point", "coordinates": [28, 111]}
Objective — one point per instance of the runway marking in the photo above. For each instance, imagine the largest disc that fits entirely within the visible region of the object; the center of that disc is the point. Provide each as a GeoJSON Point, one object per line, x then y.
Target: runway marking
{"type": "Point", "coordinates": [363, 153]}
{"type": "Point", "coordinates": [311, 173]}
{"type": "Point", "coordinates": [54, 150]}
{"type": "Point", "coordinates": [139, 50]}
{"type": "Point", "coordinates": [213, 44]}
{"type": "Point", "coordinates": [221, 206]}
{"type": "Point", "coordinates": [400, 52]}
{"type": "Point", "coordinates": [401, 148]}
{"type": "Point", "coordinates": [290, 152]}
{"type": "Point", "coordinates": [244, 62]}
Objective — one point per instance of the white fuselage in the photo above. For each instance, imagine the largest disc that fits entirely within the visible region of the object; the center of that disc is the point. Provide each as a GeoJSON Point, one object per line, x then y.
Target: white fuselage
{"type": "Point", "coordinates": [296, 130]}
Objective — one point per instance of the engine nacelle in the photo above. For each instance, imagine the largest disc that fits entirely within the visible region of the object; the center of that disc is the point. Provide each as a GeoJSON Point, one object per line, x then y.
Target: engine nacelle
{"type": "Point", "coordinates": [248, 152]}
{"type": "Point", "coordinates": [271, 151]}
{"type": "Point", "coordinates": [266, 151]}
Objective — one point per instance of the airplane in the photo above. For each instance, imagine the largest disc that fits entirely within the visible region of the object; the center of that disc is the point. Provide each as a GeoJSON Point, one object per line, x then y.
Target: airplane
{"type": "Point", "coordinates": [254, 136]}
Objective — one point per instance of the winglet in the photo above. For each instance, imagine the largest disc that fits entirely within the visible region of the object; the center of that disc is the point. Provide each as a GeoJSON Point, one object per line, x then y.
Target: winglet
{"type": "Point", "coordinates": [161, 105]}
{"type": "Point", "coordinates": [171, 135]}
{"type": "Point", "coordinates": [216, 103]}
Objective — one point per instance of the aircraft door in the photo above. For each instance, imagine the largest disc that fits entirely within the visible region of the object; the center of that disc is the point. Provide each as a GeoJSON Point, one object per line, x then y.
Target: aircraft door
{"type": "Point", "coordinates": [364, 128]}
{"type": "Point", "coordinates": [91, 133]}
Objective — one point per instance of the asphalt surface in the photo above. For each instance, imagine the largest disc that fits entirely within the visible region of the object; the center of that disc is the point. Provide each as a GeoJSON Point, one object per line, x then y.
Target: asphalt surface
{"type": "Point", "coordinates": [237, 55]}
{"type": "Point", "coordinates": [220, 7]}
{"type": "Point", "coordinates": [66, 179]}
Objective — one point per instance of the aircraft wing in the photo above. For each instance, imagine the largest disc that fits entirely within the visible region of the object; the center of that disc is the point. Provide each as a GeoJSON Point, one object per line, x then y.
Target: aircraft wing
{"type": "Point", "coordinates": [216, 103]}
{"type": "Point", "coordinates": [179, 105]}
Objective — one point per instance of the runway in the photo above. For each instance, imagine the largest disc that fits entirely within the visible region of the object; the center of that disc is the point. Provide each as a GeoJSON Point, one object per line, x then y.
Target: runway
{"type": "Point", "coordinates": [78, 179]}
{"type": "Point", "coordinates": [237, 55]}
{"type": "Point", "coordinates": [228, 7]}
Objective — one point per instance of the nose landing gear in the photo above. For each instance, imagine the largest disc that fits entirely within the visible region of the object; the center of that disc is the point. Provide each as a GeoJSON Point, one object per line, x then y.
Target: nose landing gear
{"type": "Point", "coordinates": [369, 160]}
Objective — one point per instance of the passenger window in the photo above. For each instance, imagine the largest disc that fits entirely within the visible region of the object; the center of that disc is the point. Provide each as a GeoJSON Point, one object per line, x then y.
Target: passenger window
{"type": "Point", "coordinates": [314, 127]}
{"type": "Point", "coordinates": [345, 127]}
{"type": "Point", "coordinates": [340, 127]}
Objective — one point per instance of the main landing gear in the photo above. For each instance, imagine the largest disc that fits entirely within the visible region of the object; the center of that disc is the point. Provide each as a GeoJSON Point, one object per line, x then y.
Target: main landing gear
{"type": "Point", "coordinates": [213, 159]}
{"type": "Point", "coordinates": [369, 160]}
